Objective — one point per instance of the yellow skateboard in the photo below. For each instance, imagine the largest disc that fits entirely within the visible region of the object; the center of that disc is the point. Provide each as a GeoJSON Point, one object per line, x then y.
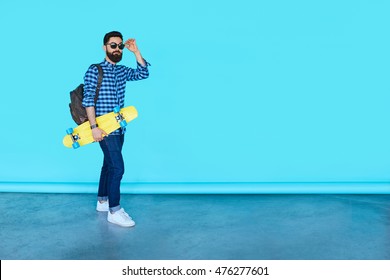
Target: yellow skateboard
{"type": "Point", "coordinates": [82, 135]}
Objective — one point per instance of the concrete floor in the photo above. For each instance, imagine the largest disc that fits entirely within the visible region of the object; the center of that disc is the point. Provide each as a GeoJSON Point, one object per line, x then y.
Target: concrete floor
{"type": "Point", "coordinates": [208, 227]}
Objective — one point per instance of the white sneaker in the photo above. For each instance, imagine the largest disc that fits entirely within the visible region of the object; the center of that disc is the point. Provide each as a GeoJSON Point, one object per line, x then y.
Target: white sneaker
{"type": "Point", "coordinates": [120, 218]}
{"type": "Point", "coordinates": [102, 207]}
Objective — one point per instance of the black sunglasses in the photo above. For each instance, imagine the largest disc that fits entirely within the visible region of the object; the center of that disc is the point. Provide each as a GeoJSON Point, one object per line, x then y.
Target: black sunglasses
{"type": "Point", "coordinates": [113, 46]}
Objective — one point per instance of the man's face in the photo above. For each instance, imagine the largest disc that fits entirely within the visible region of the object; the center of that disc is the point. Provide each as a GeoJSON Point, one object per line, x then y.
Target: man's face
{"type": "Point", "coordinates": [114, 48]}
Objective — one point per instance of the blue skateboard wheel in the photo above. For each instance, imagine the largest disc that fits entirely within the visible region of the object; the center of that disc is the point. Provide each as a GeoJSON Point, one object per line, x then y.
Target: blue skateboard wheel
{"type": "Point", "coordinates": [117, 109]}
{"type": "Point", "coordinates": [123, 123]}
{"type": "Point", "coordinates": [75, 145]}
{"type": "Point", "coordinates": [69, 131]}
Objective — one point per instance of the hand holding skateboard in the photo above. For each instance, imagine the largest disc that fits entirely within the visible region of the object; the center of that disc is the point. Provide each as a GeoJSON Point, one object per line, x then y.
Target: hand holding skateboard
{"type": "Point", "coordinates": [98, 134]}
{"type": "Point", "coordinates": [83, 135]}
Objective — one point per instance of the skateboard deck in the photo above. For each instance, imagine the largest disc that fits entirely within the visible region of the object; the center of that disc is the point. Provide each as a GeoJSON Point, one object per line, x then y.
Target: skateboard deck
{"type": "Point", "coordinates": [82, 134]}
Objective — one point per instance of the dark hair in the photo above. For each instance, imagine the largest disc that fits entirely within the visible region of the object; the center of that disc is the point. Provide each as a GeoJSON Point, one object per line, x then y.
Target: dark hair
{"type": "Point", "coordinates": [110, 35]}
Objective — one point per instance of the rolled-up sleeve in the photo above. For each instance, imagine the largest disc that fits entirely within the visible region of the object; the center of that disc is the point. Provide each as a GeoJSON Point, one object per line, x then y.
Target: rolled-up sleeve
{"type": "Point", "coordinates": [90, 84]}
{"type": "Point", "coordinates": [142, 72]}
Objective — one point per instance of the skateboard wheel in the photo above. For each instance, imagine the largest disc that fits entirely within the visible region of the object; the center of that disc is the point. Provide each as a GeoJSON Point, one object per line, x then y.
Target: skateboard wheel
{"type": "Point", "coordinates": [75, 145]}
{"type": "Point", "coordinates": [117, 109]}
{"type": "Point", "coordinates": [69, 131]}
{"type": "Point", "coordinates": [123, 123]}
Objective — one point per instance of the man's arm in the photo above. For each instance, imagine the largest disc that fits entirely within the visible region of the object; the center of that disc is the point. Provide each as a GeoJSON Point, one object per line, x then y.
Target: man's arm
{"type": "Point", "coordinates": [90, 84]}
{"type": "Point", "coordinates": [132, 46]}
{"type": "Point", "coordinates": [97, 133]}
{"type": "Point", "coordinates": [142, 71]}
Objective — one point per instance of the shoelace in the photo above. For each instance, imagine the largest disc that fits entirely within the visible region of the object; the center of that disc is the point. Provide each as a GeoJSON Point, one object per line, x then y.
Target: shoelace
{"type": "Point", "coordinates": [123, 213]}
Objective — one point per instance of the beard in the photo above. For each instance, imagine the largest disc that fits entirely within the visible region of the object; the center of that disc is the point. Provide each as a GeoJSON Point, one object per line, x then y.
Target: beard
{"type": "Point", "coordinates": [114, 56]}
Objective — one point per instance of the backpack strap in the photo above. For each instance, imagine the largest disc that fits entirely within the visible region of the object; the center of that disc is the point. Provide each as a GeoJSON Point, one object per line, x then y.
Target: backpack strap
{"type": "Point", "coordinates": [100, 80]}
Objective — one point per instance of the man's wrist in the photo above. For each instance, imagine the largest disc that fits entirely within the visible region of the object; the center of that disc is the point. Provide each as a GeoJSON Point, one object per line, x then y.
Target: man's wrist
{"type": "Point", "coordinates": [94, 126]}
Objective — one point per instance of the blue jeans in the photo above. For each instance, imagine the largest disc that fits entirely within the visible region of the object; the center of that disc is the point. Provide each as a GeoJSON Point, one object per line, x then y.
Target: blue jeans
{"type": "Point", "coordinates": [112, 171]}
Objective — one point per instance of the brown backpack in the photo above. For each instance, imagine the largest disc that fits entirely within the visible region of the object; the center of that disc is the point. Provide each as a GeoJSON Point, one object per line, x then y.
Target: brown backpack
{"type": "Point", "coordinates": [78, 112]}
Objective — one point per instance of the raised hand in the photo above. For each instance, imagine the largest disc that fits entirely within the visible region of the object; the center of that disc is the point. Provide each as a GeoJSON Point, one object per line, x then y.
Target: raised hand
{"type": "Point", "coordinates": [131, 45]}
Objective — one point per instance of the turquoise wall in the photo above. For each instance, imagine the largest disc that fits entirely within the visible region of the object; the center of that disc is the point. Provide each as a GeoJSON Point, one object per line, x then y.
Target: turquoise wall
{"type": "Point", "coordinates": [239, 91]}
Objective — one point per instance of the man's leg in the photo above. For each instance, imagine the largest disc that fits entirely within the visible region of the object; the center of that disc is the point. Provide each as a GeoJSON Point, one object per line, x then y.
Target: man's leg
{"type": "Point", "coordinates": [113, 168]}
{"type": "Point", "coordinates": [103, 192]}
{"type": "Point", "coordinates": [102, 204]}
{"type": "Point", "coordinates": [112, 149]}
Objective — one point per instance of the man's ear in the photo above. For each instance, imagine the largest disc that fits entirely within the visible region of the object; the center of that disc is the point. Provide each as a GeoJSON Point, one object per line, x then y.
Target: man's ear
{"type": "Point", "coordinates": [104, 48]}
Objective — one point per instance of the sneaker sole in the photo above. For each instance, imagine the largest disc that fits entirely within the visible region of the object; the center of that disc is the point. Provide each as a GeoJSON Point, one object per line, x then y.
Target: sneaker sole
{"type": "Point", "coordinates": [122, 225]}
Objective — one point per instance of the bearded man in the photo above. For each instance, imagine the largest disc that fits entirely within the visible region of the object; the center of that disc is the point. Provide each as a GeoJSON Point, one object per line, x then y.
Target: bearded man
{"type": "Point", "coordinates": [111, 94]}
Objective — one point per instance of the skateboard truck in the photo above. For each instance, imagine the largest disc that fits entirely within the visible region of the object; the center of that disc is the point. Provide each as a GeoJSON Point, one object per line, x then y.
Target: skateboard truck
{"type": "Point", "coordinates": [119, 117]}
{"type": "Point", "coordinates": [74, 137]}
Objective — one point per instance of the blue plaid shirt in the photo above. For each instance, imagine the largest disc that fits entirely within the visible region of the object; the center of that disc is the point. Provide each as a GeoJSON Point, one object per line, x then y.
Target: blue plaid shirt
{"type": "Point", "coordinates": [112, 90]}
